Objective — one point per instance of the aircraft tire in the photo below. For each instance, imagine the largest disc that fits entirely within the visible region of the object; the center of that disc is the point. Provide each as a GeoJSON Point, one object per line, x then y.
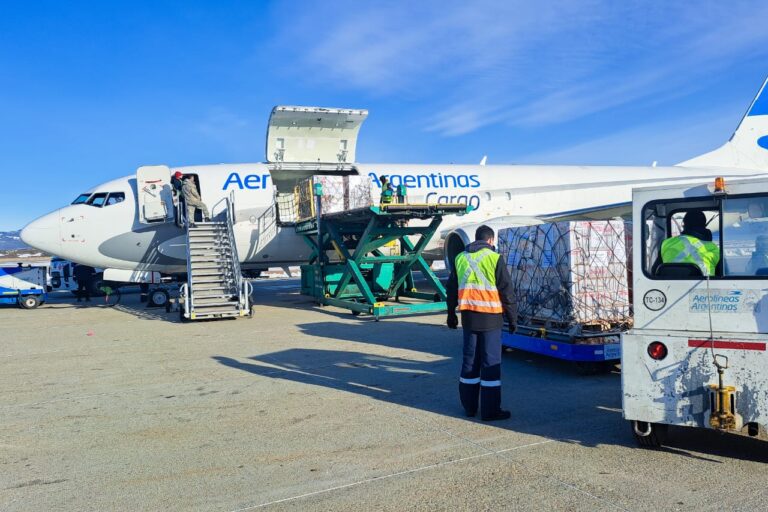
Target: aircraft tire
{"type": "Point", "coordinates": [158, 298]}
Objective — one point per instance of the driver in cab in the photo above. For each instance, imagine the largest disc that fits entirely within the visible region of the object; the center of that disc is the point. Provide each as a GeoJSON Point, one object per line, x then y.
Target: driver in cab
{"type": "Point", "coordinates": [693, 245]}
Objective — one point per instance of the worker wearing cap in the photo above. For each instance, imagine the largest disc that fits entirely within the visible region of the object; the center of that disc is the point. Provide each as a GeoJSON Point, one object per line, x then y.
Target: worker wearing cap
{"type": "Point", "coordinates": [693, 245]}
{"type": "Point", "coordinates": [176, 183]}
{"type": "Point", "coordinates": [192, 199]}
{"type": "Point", "coordinates": [387, 193]}
{"type": "Point", "coordinates": [481, 288]}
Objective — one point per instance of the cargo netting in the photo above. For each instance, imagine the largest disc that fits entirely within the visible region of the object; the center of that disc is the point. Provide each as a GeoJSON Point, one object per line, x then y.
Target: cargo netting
{"type": "Point", "coordinates": [340, 193]}
{"type": "Point", "coordinates": [572, 276]}
{"type": "Point", "coordinates": [287, 208]}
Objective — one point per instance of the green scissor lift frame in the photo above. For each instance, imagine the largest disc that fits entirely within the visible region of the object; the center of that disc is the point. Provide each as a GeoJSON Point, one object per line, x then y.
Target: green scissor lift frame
{"type": "Point", "coordinates": [364, 279]}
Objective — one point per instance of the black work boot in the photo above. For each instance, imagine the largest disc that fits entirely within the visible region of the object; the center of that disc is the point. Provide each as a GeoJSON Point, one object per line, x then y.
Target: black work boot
{"type": "Point", "coordinates": [468, 393]}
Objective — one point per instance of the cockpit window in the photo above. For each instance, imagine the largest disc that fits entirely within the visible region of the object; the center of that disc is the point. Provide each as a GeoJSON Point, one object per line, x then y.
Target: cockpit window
{"type": "Point", "coordinates": [115, 197]}
{"type": "Point", "coordinates": [82, 198]}
{"type": "Point", "coordinates": [98, 199]}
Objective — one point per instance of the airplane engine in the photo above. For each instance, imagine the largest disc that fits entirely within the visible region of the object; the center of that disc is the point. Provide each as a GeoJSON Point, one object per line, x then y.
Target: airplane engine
{"type": "Point", "coordinates": [458, 238]}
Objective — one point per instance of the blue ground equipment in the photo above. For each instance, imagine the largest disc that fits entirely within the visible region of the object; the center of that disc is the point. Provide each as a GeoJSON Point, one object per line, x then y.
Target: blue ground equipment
{"type": "Point", "coordinates": [591, 352]}
{"type": "Point", "coordinates": [23, 286]}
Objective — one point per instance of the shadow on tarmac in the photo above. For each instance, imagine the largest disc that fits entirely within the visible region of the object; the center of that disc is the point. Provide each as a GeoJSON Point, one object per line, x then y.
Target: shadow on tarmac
{"type": "Point", "coordinates": [547, 397]}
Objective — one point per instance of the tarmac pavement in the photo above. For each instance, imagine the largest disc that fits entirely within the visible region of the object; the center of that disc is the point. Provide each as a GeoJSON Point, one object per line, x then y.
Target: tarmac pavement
{"type": "Point", "coordinates": [307, 408]}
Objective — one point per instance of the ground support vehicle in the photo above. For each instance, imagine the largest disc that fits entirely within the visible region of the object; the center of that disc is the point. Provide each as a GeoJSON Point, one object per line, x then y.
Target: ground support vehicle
{"type": "Point", "coordinates": [23, 285]}
{"type": "Point", "coordinates": [349, 269]}
{"type": "Point", "coordinates": [696, 355]}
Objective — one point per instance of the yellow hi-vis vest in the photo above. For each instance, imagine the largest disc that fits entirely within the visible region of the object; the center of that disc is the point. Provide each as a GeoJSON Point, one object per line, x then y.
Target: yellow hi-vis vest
{"type": "Point", "coordinates": [689, 249]}
{"type": "Point", "coordinates": [476, 273]}
{"type": "Point", "coordinates": [386, 194]}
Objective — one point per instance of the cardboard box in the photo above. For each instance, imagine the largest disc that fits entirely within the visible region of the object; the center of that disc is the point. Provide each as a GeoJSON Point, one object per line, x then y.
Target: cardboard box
{"type": "Point", "coordinates": [570, 274]}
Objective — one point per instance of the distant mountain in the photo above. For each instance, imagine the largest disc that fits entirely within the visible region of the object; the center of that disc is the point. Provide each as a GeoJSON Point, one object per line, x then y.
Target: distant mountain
{"type": "Point", "coordinates": [10, 241]}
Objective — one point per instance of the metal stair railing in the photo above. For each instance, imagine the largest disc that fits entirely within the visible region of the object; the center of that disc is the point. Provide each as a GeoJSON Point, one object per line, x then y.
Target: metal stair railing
{"type": "Point", "coordinates": [186, 288]}
{"type": "Point", "coordinates": [241, 284]}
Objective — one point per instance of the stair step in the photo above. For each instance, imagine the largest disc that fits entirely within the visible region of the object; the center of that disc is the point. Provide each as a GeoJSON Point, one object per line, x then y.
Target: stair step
{"type": "Point", "coordinates": [200, 272]}
{"type": "Point", "coordinates": [208, 280]}
{"type": "Point", "coordinates": [204, 294]}
{"type": "Point", "coordinates": [211, 240]}
{"type": "Point", "coordinates": [210, 247]}
{"type": "Point", "coordinates": [208, 234]}
{"type": "Point", "coordinates": [210, 253]}
{"type": "Point", "coordinates": [203, 316]}
{"type": "Point", "coordinates": [203, 288]}
{"type": "Point", "coordinates": [217, 309]}
{"type": "Point", "coordinates": [211, 303]}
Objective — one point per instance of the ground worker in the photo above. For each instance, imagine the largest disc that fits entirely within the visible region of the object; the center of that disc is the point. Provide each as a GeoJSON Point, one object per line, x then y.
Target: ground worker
{"type": "Point", "coordinates": [692, 245]}
{"type": "Point", "coordinates": [84, 276]}
{"type": "Point", "coordinates": [480, 286]}
{"type": "Point", "coordinates": [402, 192]}
{"type": "Point", "coordinates": [387, 193]}
{"type": "Point", "coordinates": [176, 183]}
{"type": "Point", "coordinates": [759, 259]}
{"type": "Point", "coordinates": [176, 186]}
{"type": "Point", "coordinates": [192, 200]}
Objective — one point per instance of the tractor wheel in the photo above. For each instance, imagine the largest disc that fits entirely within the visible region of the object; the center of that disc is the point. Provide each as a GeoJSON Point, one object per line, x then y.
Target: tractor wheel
{"type": "Point", "coordinates": [649, 435]}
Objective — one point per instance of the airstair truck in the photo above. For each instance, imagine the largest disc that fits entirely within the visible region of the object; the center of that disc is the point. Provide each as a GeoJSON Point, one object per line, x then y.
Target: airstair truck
{"type": "Point", "coordinates": [696, 355]}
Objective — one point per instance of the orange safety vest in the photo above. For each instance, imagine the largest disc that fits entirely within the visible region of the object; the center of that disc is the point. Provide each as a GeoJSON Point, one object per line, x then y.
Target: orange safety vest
{"type": "Point", "coordinates": [476, 274]}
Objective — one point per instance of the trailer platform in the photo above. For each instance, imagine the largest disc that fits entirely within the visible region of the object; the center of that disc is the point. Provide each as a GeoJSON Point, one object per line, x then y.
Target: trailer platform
{"type": "Point", "coordinates": [591, 354]}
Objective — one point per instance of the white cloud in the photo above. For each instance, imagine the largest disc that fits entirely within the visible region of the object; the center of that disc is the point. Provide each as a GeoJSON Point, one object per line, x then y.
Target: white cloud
{"type": "Point", "coordinates": [522, 63]}
{"type": "Point", "coordinates": [667, 143]}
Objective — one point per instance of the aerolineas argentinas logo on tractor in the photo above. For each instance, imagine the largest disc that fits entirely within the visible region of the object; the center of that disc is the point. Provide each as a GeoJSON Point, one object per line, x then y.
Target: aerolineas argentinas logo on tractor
{"type": "Point", "coordinates": [720, 300]}
{"type": "Point", "coordinates": [434, 187]}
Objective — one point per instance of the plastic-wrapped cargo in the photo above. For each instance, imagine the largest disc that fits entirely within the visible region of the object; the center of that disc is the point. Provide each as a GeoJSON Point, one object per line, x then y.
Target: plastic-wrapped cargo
{"type": "Point", "coordinates": [340, 193]}
{"type": "Point", "coordinates": [570, 275]}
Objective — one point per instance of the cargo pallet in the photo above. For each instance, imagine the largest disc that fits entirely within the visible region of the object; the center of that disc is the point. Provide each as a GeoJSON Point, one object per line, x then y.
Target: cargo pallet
{"type": "Point", "coordinates": [592, 353]}
{"type": "Point", "coordinates": [363, 278]}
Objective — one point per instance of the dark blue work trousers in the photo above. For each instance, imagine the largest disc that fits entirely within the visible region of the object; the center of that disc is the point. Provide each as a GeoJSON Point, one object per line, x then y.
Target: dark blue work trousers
{"type": "Point", "coordinates": [481, 372]}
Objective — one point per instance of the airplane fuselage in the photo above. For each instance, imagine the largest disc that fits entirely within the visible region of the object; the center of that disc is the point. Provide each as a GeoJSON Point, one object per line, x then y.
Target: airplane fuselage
{"type": "Point", "coordinates": [112, 235]}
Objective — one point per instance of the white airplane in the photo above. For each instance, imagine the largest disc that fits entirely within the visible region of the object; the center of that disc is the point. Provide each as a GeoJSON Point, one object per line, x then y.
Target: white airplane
{"type": "Point", "coordinates": [128, 227]}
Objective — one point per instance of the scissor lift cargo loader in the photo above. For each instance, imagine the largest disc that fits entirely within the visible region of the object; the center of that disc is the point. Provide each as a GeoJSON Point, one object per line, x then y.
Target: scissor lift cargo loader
{"type": "Point", "coordinates": [359, 275]}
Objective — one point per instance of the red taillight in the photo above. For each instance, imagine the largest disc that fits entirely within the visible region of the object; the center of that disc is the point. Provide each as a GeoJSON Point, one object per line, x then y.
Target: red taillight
{"type": "Point", "coordinates": [657, 350]}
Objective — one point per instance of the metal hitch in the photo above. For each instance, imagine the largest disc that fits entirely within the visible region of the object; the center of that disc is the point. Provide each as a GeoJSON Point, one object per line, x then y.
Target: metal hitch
{"type": "Point", "coordinates": [722, 400]}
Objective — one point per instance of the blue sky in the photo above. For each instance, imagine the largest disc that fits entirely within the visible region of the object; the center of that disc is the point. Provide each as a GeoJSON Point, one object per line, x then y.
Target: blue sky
{"type": "Point", "coordinates": [91, 90]}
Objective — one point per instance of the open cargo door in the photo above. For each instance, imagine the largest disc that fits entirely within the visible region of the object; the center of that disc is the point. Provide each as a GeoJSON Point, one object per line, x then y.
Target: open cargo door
{"type": "Point", "coordinates": [155, 194]}
{"type": "Point", "coordinates": [313, 138]}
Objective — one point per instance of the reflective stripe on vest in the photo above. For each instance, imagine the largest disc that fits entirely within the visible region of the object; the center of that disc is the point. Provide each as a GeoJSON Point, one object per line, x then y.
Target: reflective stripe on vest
{"type": "Point", "coordinates": [386, 194]}
{"type": "Point", "coordinates": [476, 274]}
{"type": "Point", "coordinates": [689, 249]}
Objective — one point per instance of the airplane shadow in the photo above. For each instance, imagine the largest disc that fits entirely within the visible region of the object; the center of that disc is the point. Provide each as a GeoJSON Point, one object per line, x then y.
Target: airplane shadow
{"type": "Point", "coordinates": [547, 397]}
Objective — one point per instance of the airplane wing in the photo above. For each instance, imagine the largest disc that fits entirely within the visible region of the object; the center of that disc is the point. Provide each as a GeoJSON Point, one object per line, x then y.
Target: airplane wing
{"type": "Point", "coordinates": [602, 212]}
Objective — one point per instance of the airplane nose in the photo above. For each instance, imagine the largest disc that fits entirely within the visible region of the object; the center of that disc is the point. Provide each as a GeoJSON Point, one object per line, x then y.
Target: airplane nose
{"type": "Point", "coordinates": [44, 233]}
